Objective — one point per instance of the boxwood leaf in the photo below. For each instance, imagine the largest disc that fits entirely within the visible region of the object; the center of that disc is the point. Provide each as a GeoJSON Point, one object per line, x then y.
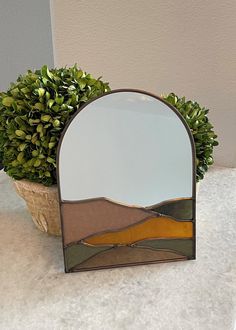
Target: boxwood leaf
{"type": "Point", "coordinates": [39, 106]}
{"type": "Point", "coordinates": [46, 118]}
{"type": "Point", "coordinates": [41, 92]}
{"type": "Point", "coordinates": [20, 133]}
{"type": "Point", "coordinates": [7, 101]}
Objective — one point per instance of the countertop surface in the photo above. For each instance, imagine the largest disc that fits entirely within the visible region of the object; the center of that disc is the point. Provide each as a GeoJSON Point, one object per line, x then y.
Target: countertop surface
{"type": "Point", "coordinates": [188, 295]}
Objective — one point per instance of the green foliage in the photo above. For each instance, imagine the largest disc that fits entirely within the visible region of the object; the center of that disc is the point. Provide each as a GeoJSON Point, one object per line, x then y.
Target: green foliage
{"type": "Point", "coordinates": [33, 114]}
{"type": "Point", "coordinates": [201, 128]}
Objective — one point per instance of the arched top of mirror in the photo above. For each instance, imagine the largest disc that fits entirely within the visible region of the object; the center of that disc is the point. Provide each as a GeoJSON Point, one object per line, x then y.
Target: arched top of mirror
{"type": "Point", "coordinates": [127, 146]}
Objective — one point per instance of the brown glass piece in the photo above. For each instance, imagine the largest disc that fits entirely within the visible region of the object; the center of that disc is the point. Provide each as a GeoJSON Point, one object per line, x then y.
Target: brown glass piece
{"type": "Point", "coordinates": [84, 218]}
{"type": "Point", "coordinates": [123, 255]}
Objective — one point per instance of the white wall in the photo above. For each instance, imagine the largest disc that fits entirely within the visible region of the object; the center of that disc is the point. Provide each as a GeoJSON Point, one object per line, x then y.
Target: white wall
{"type": "Point", "coordinates": [25, 38]}
{"type": "Point", "coordinates": [185, 46]}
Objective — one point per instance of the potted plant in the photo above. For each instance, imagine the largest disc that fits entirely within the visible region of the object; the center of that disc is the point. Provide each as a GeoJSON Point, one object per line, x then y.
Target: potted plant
{"type": "Point", "coordinates": [33, 113]}
{"type": "Point", "coordinates": [202, 131]}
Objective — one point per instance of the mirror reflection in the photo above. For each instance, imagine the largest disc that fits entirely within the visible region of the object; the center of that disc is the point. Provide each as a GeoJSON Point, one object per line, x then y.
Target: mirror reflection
{"type": "Point", "coordinates": [128, 147]}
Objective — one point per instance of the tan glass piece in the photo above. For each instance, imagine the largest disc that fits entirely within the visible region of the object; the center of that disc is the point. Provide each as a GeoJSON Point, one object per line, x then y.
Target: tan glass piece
{"type": "Point", "coordinates": [159, 227]}
{"type": "Point", "coordinates": [128, 255]}
{"type": "Point", "coordinates": [81, 219]}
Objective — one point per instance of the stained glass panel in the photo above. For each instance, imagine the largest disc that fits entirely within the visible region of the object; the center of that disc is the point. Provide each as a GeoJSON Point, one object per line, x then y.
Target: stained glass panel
{"type": "Point", "coordinates": [126, 174]}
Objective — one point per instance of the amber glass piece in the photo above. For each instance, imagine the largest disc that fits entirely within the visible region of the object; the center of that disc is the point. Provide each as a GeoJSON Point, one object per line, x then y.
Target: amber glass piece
{"type": "Point", "coordinates": [128, 255]}
{"type": "Point", "coordinates": [179, 209]}
{"type": "Point", "coordinates": [182, 246]}
{"type": "Point", "coordinates": [77, 253]}
{"type": "Point", "coordinates": [160, 227]}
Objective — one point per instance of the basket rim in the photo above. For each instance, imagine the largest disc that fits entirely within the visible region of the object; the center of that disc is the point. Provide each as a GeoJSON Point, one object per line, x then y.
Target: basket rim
{"type": "Point", "coordinates": [30, 185]}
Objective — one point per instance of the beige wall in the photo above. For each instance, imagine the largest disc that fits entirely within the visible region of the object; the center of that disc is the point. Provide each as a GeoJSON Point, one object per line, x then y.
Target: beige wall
{"type": "Point", "coordinates": [186, 46]}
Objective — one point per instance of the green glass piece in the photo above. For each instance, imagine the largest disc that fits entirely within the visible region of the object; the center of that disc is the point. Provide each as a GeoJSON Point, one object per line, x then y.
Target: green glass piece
{"type": "Point", "coordinates": [179, 209]}
{"type": "Point", "coordinates": [182, 246]}
{"type": "Point", "coordinates": [77, 253]}
{"type": "Point", "coordinates": [126, 255]}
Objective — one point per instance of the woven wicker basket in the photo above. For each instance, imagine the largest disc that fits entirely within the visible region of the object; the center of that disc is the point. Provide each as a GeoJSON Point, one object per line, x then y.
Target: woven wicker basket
{"type": "Point", "coordinates": [43, 204]}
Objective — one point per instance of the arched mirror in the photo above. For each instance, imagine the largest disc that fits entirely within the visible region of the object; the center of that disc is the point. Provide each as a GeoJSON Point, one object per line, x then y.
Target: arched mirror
{"type": "Point", "coordinates": [126, 172]}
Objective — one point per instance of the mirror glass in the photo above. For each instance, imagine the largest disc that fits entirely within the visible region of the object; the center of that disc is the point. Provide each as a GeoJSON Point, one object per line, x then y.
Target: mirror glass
{"type": "Point", "coordinates": [128, 147]}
